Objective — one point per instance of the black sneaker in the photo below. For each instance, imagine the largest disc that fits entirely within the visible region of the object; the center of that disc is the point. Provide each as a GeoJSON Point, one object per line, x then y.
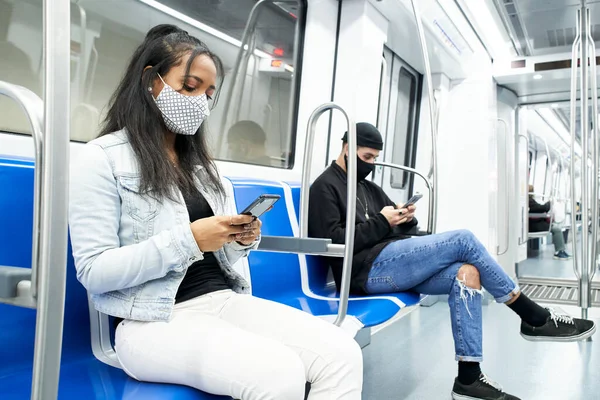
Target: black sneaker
{"type": "Point", "coordinates": [481, 389]}
{"type": "Point", "coordinates": [559, 328]}
{"type": "Point", "coordinates": [562, 256]}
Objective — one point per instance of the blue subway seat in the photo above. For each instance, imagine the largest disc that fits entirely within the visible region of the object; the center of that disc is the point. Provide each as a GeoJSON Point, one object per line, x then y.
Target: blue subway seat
{"type": "Point", "coordinates": [82, 376]}
{"type": "Point", "coordinates": [297, 280]}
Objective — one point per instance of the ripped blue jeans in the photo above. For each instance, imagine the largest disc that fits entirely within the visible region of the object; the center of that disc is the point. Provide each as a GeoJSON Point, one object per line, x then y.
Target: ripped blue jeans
{"type": "Point", "coordinates": [429, 265]}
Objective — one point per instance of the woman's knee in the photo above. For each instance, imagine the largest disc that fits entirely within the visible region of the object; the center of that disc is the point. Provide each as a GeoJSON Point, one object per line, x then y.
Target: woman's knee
{"type": "Point", "coordinates": [345, 355]}
{"type": "Point", "coordinates": [469, 275]}
{"type": "Point", "coordinates": [283, 379]}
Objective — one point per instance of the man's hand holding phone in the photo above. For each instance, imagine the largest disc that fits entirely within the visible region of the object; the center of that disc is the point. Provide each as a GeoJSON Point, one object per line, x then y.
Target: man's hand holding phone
{"type": "Point", "coordinates": [407, 212]}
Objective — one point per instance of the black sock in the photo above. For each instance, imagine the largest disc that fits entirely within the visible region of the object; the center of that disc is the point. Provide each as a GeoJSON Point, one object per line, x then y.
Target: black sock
{"type": "Point", "coordinates": [468, 372]}
{"type": "Point", "coordinates": [529, 311]}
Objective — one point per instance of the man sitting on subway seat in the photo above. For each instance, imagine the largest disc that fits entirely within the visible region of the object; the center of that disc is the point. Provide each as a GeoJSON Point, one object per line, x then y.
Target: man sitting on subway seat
{"type": "Point", "coordinates": [386, 259]}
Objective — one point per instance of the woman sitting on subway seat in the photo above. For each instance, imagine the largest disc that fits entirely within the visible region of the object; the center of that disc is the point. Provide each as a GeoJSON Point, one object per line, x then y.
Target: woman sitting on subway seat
{"type": "Point", "coordinates": [155, 236]}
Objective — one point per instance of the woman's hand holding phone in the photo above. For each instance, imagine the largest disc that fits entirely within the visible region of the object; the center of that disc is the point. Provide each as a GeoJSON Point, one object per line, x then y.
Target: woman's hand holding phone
{"type": "Point", "coordinates": [251, 234]}
{"type": "Point", "coordinates": [213, 232]}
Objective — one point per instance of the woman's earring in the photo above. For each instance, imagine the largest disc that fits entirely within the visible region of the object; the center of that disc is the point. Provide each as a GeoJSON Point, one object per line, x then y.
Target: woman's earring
{"type": "Point", "coordinates": [150, 88]}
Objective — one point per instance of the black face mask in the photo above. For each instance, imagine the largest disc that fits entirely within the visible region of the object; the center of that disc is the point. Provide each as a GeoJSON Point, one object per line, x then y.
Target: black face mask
{"type": "Point", "coordinates": [363, 169]}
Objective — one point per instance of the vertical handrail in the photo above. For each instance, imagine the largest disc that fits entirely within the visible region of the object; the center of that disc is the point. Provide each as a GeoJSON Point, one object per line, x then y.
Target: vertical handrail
{"type": "Point", "coordinates": [384, 68]}
{"type": "Point", "coordinates": [350, 198]}
{"type": "Point", "coordinates": [431, 101]}
{"type": "Point", "coordinates": [595, 193]}
{"type": "Point", "coordinates": [55, 172]}
{"type": "Point", "coordinates": [427, 183]}
{"type": "Point", "coordinates": [82, 51]}
{"type": "Point", "coordinates": [242, 58]}
{"type": "Point", "coordinates": [506, 178]}
{"type": "Point", "coordinates": [573, 133]}
{"type": "Point", "coordinates": [549, 164]}
{"type": "Point", "coordinates": [33, 107]}
{"type": "Point", "coordinates": [525, 221]}
{"type": "Point", "coordinates": [551, 194]}
{"type": "Point", "coordinates": [585, 237]}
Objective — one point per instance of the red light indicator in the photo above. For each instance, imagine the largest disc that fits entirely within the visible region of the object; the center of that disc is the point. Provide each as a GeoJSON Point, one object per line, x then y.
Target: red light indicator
{"type": "Point", "coordinates": [278, 52]}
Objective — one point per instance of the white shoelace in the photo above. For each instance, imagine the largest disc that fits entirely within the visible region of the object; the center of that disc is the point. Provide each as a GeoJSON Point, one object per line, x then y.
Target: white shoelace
{"type": "Point", "coordinates": [484, 378]}
{"type": "Point", "coordinates": [556, 318]}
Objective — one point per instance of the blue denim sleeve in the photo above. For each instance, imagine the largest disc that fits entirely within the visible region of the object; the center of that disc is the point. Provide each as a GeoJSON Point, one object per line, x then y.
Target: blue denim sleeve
{"type": "Point", "coordinates": [102, 264]}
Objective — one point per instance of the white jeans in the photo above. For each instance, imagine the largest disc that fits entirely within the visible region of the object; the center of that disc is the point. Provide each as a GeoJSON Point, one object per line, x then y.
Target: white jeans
{"type": "Point", "coordinates": [244, 347]}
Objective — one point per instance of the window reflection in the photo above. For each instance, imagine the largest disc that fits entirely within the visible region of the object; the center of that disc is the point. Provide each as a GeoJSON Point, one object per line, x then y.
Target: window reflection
{"type": "Point", "coordinates": [105, 33]}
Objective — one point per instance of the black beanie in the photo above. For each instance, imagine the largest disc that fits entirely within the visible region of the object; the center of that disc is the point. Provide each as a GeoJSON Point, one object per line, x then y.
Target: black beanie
{"type": "Point", "coordinates": [366, 136]}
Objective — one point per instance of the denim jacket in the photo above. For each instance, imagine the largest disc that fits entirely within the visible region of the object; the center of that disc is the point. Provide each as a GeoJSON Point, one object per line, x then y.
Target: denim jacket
{"type": "Point", "coordinates": [132, 251]}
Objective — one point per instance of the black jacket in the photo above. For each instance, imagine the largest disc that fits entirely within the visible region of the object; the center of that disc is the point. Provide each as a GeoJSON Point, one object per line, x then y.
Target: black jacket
{"type": "Point", "coordinates": [327, 219]}
{"type": "Point", "coordinates": [538, 224]}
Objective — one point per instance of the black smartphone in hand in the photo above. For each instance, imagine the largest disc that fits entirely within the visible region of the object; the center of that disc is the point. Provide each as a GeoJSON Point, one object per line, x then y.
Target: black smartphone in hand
{"type": "Point", "coordinates": [261, 205]}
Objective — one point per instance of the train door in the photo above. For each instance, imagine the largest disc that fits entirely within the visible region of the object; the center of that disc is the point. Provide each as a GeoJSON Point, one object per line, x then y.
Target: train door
{"type": "Point", "coordinates": [397, 122]}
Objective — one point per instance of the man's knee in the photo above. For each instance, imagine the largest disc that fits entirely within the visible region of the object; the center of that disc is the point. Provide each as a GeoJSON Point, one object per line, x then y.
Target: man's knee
{"type": "Point", "coordinates": [466, 234]}
{"type": "Point", "coordinates": [469, 275]}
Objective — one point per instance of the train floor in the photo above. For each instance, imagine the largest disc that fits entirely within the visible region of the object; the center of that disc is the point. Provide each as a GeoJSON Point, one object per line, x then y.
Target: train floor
{"type": "Point", "coordinates": [413, 359]}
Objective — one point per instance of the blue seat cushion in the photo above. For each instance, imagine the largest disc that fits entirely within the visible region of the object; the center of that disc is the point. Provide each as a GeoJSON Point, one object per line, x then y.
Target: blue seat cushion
{"type": "Point", "coordinates": [278, 276]}
{"type": "Point", "coordinates": [88, 378]}
{"type": "Point", "coordinates": [82, 375]}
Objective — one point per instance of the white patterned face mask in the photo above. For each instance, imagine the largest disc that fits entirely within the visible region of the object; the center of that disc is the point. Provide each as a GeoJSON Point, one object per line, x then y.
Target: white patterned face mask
{"type": "Point", "coordinates": [182, 114]}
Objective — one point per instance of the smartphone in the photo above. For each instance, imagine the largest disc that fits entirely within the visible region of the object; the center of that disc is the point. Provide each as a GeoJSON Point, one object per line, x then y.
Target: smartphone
{"type": "Point", "coordinates": [262, 203]}
{"type": "Point", "coordinates": [416, 197]}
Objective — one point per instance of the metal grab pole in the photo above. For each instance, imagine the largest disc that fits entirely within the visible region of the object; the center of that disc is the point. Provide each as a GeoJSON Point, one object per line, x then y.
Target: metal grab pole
{"type": "Point", "coordinates": [595, 177]}
{"type": "Point", "coordinates": [506, 178]}
{"type": "Point", "coordinates": [53, 239]}
{"type": "Point", "coordinates": [350, 198]}
{"type": "Point", "coordinates": [585, 130]}
{"type": "Point", "coordinates": [33, 107]}
{"type": "Point", "coordinates": [427, 183]}
{"type": "Point", "coordinates": [432, 117]}
{"type": "Point", "coordinates": [573, 128]}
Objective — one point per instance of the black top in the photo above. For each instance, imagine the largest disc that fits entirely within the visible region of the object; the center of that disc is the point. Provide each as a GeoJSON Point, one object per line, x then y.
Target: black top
{"type": "Point", "coordinates": [327, 219]}
{"type": "Point", "coordinates": [204, 276]}
{"type": "Point", "coordinates": [538, 224]}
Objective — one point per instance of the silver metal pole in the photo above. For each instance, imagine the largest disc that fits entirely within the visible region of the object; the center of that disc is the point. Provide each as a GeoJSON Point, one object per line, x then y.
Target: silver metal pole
{"type": "Point", "coordinates": [350, 198]}
{"type": "Point", "coordinates": [83, 52]}
{"type": "Point", "coordinates": [427, 183]}
{"type": "Point", "coordinates": [53, 243]}
{"type": "Point", "coordinates": [33, 107]}
{"type": "Point", "coordinates": [573, 133]}
{"type": "Point", "coordinates": [585, 131]}
{"type": "Point", "coordinates": [524, 221]}
{"type": "Point", "coordinates": [595, 192]}
{"type": "Point", "coordinates": [432, 117]}
{"type": "Point", "coordinates": [507, 197]}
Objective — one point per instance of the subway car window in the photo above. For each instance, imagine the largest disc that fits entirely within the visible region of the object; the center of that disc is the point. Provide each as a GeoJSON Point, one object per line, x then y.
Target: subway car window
{"type": "Point", "coordinates": [256, 129]}
{"type": "Point", "coordinates": [405, 132]}
{"type": "Point", "coordinates": [258, 112]}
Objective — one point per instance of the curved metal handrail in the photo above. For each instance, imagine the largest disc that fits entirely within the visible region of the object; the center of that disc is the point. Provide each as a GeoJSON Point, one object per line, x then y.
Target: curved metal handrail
{"type": "Point", "coordinates": [350, 198]}
{"type": "Point", "coordinates": [431, 101]}
{"type": "Point", "coordinates": [427, 183]}
{"type": "Point", "coordinates": [33, 107]}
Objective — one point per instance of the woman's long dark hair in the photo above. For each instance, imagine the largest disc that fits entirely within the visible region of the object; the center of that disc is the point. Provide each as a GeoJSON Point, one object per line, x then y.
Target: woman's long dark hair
{"type": "Point", "coordinates": [133, 108]}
